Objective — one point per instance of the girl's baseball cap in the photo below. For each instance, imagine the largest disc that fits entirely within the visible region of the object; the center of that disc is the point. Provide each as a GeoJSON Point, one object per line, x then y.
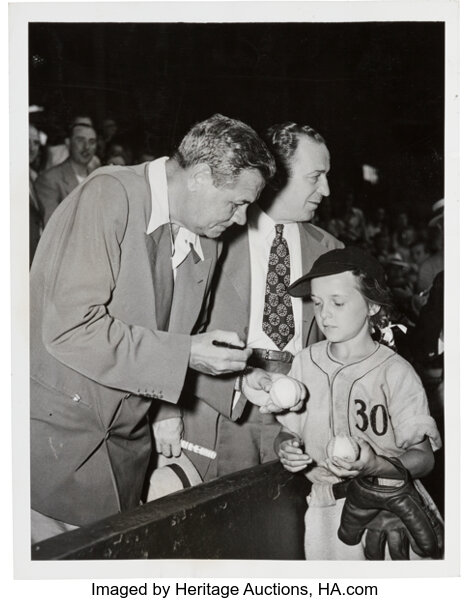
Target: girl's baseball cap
{"type": "Point", "coordinates": [338, 261]}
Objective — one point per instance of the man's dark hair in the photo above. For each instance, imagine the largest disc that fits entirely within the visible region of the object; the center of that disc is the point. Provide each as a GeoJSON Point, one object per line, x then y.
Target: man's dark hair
{"type": "Point", "coordinates": [228, 146]}
{"type": "Point", "coordinates": [282, 140]}
{"type": "Point", "coordinates": [78, 124]}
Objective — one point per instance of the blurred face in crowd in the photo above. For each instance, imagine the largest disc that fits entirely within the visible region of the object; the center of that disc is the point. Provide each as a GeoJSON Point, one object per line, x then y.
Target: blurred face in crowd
{"type": "Point", "coordinates": [418, 253]}
{"type": "Point", "coordinates": [34, 143]}
{"type": "Point", "coordinates": [307, 183]}
{"type": "Point", "coordinates": [407, 236]}
{"type": "Point", "coordinates": [397, 275]}
{"type": "Point", "coordinates": [382, 242]}
{"type": "Point", "coordinates": [109, 128]}
{"type": "Point", "coordinates": [116, 160]}
{"type": "Point", "coordinates": [380, 215]}
{"type": "Point", "coordinates": [402, 220]}
{"type": "Point", "coordinates": [214, 209]}
{"type": "Point", "coordinates": [82, 144]}
{"type": "Point", "coordinates": [116, 150]}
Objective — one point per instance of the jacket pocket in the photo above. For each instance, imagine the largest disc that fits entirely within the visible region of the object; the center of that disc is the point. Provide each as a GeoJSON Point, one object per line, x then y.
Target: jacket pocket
{"type": "Point", "coordinates": [73, 395]}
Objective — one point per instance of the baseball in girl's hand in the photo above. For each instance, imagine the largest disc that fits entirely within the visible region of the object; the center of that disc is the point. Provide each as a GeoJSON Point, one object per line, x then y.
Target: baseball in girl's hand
{"type": "Point", "coordinates": [343, 446]}
{"type": "Point", "coordinates": [285, 392]}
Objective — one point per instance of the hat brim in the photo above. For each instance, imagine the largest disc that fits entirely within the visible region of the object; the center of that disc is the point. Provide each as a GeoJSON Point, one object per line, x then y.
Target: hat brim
{"type": "Point", "coordinates": [164, 480]}
{"type": "Point", "coordinates": [398, 263]}
{"type": "Point", "coordinates": [301, 287]}
{"type": "Point", "coordinates": [435, 220]}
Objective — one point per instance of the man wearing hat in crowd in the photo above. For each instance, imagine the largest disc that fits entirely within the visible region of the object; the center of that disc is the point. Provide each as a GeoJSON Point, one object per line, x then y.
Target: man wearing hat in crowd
{"type": "Point", "coordinates": [274, 248]}
{"type": "Point", "coordinates": [118, 285]}
{"type": "Point", "coordinates": [434, 264]}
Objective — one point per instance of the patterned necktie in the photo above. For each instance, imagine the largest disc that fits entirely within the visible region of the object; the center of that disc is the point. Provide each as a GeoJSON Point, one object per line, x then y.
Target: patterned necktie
{"type": "Point", "coordinates": [278, 321]}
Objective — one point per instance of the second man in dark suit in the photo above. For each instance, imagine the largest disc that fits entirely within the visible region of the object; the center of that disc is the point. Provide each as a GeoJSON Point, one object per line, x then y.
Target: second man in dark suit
{"type": "Point", "coordinates": [277, 246]}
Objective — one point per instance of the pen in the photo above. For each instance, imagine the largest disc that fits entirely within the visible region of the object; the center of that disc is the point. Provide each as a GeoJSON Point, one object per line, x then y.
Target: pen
{"type": "Point", "coordinates": [227, 345]}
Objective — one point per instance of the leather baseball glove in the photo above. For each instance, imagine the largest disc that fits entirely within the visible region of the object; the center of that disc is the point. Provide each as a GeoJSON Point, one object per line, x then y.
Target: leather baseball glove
{"type": "Point", "coordinates": [387, 529]}
{"type": "Point", "coordinates": [396, 515]}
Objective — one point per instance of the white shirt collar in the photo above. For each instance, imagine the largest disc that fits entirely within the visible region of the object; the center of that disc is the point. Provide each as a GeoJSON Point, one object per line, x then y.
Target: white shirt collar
{"type": "Point", "coordinates": [264, 224]}
{"type": "Point", "coordinates": [260, 221]}
{"type": "Point", "coordinates": [160, 213]}
{"type": "Point", "coordinates": [159, 194]}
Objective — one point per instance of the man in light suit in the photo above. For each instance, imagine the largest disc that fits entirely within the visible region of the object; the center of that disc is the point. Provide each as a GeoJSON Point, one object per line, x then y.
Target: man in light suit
{"type": "Point", "coordinates": [243, 436]}
{"type": "Point", "coordinates": [118, 284]}
{"type": "Point", "coordinates": [56, 183]}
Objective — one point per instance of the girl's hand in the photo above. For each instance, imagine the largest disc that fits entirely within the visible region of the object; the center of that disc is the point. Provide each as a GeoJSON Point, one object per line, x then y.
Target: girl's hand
{"type": "Point", "coordinates": [366, 463]}
{"type": "Point", "coordinates": [292, 456]}
{"type": "Point", "coordinates": [256, 385]}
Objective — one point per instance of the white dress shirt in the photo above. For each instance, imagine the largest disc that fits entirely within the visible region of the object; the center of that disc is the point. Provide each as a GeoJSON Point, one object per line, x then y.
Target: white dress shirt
{"type": "Point", "coordinates": [261, 233]}
{"type": "Point", "coordinates": [184, 239]}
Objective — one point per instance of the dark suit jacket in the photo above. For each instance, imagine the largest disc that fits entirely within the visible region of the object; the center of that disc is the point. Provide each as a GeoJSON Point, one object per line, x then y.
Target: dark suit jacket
{"type": "Point", "coordinates": [230, 310]}
{"type": "Point", "coordinates": [97, 356]}
{"type": "Point", "coordinates": [53, 185]}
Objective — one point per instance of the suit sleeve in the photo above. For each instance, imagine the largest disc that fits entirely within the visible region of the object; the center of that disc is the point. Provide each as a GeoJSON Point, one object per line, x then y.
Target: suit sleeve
{"type": "Point", "coordinates": [48, 194]}
{"type": "Point", "coordinates": [77, 327]}
{"type": "Point", "coordinates": [218, 392]}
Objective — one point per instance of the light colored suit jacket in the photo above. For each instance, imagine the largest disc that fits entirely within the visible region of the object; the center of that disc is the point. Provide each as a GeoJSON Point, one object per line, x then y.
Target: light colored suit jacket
{"type": "Point", "coordinates": [53, 185]}
{"type": "Point", "coordinates": [97, 356]}
{"type": "Point", "coordinates": [230, 310]}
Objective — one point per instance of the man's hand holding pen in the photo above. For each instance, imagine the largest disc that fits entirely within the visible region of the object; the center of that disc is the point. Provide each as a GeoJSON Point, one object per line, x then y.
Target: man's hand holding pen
{"type": "Point", "coordinates": [218, 352]}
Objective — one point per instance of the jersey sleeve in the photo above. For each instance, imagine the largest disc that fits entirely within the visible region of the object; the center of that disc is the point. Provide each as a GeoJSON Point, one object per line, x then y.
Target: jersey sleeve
{"type": "Point", "coordinates": [408, 407]}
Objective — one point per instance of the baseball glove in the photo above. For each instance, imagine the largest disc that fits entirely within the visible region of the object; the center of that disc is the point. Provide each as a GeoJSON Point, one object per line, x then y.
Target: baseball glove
{"type": "Point", "coordinates": [387, 529]}
{"type": "Point", "coordinates": [413, 522]}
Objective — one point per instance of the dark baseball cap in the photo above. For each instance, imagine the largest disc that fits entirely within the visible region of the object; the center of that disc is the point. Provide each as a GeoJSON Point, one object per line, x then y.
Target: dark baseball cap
{"type": "Point", "coordinates": [339, 261]}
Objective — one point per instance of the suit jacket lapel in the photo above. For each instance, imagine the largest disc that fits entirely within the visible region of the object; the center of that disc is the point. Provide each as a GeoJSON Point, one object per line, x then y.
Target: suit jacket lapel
{"type": "Point", "coordinates": [159, 252]}
{"type": "Point", "coordinates": [69, 177]}
{"type": "Point", "coordinates": [193, 276]}
{"type": "Point", "coordinates": [310, 250]}
{"type": "Point", "coordinates": [237, 267]}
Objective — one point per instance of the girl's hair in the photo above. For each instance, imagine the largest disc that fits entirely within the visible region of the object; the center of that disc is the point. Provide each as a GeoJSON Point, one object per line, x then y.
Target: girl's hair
{"type": "Point", "coordinates": [376, 293]}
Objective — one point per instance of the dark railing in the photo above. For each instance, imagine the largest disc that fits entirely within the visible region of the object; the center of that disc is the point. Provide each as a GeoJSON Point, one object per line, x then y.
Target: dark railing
{"type": "Point", "coordinates": [253, 514]}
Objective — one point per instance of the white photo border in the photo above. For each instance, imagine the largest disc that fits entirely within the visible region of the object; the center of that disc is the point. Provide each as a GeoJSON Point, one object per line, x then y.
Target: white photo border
{"type": "Point", "coordinates": [20, 16]}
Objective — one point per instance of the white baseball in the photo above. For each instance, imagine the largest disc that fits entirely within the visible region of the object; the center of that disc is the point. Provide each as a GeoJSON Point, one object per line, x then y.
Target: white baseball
{"type": "Point", "coordinates": [285, 392]}
{"type": "Point", "coordinates": [343, 446]}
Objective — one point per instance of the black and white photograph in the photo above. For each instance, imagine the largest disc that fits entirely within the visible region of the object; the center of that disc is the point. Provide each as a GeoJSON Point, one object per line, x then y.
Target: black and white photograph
{"type": "Point", "coordinates": [235, 289]}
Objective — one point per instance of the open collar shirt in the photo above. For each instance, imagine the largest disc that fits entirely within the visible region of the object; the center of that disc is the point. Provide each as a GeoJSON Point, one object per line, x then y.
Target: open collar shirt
{"type": "Point", "coordinates": [184, 240]}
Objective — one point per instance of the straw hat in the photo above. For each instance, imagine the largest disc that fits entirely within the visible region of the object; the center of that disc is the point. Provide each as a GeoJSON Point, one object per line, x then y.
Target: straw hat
{"type": "Point", "coordinates": [438, 212]}
{"type": "Point", "coordinates": [172, 475]}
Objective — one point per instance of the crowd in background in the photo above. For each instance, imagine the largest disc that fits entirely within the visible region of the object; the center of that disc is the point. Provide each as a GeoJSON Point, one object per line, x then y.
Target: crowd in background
{"type": "Point", "coordinates": [411, 251]}
{"type": "Point", "coordinates": [412, 255]}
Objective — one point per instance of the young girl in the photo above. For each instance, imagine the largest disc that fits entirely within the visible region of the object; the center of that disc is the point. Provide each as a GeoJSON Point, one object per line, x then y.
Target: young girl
{"type": "Point", "coordinates": [356, 387]}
